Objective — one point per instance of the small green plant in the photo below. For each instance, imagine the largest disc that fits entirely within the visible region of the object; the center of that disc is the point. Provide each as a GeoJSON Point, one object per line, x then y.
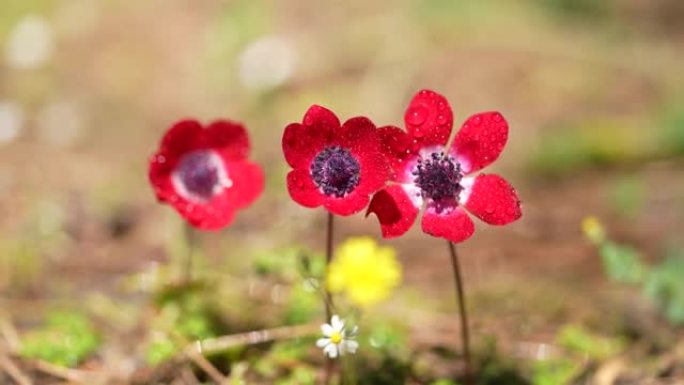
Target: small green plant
{"type": "Point", "coordinates": [665, 285]}
{"type": "Point", "coordinates": [578, 344]}
{"type": "Point", "coordinates": [661, 282]}
{"type": "Point", "coordinates": [66, 339]}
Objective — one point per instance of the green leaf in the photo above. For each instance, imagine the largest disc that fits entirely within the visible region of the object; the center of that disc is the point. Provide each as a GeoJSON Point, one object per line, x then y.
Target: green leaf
{"type": "Point", "coordinates": [622, 263]}
{"type": "Point", "coordinates": [665, 285]}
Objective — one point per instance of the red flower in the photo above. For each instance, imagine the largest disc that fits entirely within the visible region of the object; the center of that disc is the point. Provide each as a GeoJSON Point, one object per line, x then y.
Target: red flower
{"type": "Point", "coordinates": [336, 166]}
{"type": "Point", "coordinates": [204, 172]}
{"type": "Point", "coordinates": [428, 173]}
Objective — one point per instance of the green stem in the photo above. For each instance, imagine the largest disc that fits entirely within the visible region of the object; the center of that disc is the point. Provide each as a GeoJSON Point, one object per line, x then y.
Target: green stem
{"type": "Point", "coordinates": [330, 364]}
{"type": "Point", "coordinates": [460, 297]}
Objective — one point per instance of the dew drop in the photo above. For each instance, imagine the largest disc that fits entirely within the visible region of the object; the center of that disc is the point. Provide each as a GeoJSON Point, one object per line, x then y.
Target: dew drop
{"type": "Point", "coordinates": [308, 120]}
{"type": "Point", "coordinates": [161, 159]}
{"type": "Point", "coordinates": [441, 119]}
{"type": "Point", "coordinates": [497, 117]}
{"type": "Point", "coordinates": [416, 115]}
{"type": "Point", "coordinates": [489, 209]}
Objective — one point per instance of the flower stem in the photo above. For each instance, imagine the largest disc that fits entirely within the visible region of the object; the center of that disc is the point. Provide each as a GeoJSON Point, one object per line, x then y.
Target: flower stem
{"type": "Point", "coordinates": [465, 332]}
{"type": "Point", "coordinates": [328, 259]}
{"type": "Point", "coordinates": [329, 366]}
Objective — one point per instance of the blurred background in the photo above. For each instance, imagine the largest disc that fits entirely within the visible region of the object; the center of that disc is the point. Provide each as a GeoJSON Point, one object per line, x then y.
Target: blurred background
{"type": "Point", "coordinates": [594, 94]}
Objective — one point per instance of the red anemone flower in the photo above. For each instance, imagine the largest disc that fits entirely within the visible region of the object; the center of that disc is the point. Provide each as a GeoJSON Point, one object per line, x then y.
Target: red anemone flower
{"type": "Point", "coordinates": [335, 166]}
{"type": "Point", "coordinates": [428, 173]}
{"type": "Point", "coordinates": [204, 172]}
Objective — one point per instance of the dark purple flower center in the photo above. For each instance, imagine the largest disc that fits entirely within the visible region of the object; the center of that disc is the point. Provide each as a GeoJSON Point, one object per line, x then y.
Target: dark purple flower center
{"type": "Point", "coordinates": [335, 171]}
{"type": "Point", "coordinates": [438, 177]}
{"type": "Point", "coordinates": [201, 175]}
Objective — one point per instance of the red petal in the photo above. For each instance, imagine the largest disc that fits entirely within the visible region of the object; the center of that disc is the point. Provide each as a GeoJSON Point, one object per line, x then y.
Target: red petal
{"type": "Point", "coordinates": [228, 138]}
{"type": "Point", "coordinates": [359, 135]}
{"type": "Point", "coordinates": [248, 183]}
{"type": "Point", "coordinates": [184, 136]}
{"type": "Point", "coordinates": [321, 118]}
{"type": "Point", "coordinates": [374, 173]}
{"type": "Point", "coordinates": [215, 215]}
{"type": "Point", "coordinates": [399, 149]}
{"type": "Point", "coordinates": [395, 210]}
{"type": "Point", "coordinates": [301, 142]}
{"type": "Point", "coordinates": [429, 118]}
{"type": "Point", "coordinates": [480, 141]}
{"type": "Point", "coordinates": [454, 225]}
{"type": "Point", "coordinates": [493, 200]}
{"type": "Point", "coordinates": [303, 190]}
{"type": "Point", "coordinates": [159, 174]}
{"type": "Point", "coordinates": [348, 205]}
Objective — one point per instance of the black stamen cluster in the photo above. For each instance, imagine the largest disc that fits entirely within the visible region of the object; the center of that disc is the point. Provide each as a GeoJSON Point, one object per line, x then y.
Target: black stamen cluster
{"type": "Point", "coordinates": [335, 171]}
{"type": "Point", "coordinates": [439, 177]}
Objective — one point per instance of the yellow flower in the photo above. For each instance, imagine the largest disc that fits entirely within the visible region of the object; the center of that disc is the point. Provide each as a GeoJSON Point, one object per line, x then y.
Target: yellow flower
{"type": "Point", "coordinates": [593, 229]}
{"type": "Point", "coordinates": [365, 272]}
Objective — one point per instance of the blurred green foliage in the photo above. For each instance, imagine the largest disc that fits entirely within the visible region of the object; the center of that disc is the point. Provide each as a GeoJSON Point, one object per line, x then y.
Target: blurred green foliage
{"type": "Point", "coordinates": [20, 263]}
{"type": "Point", "coordinates": [301, 271]}
{"type": "Point", "coordinates": [443, 381]}
{"type": "Point", "coordinates": [672, 140]}
{"type": "Point", "coordinates": [302, 305]}
{"type": "Point", "coordinates": [284, 363]}
{"type": "Point", "coordinates": [588, 143]}
{"type": "Point", "coordinates": [497, 368]}
{"type": "Point", "coordinates": [627, 196]}
{"type": "Point", "coordinates": [592, 10]}
{"type": "Point", "coordinates": [622, 263]}
{"type": "Point", "coordinates": [578, 345]}
{"type": "Point", "coordinates": [577, 339]}
{"type": "Point", "coordinates": [662, 282]}
{"type": "Point", "coordinates": [554, 371]}
{"type": "Point", "coordinates": [185, 314]}
{"type": "Point", "coordinates": [665, 285]}
{"type": "Point", "coordinates": [66, 339]}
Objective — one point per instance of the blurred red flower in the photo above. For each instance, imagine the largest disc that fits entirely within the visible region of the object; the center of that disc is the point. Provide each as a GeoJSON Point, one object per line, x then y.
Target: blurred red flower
{"type": "Point", "coordinates": [334, 166]}
{"type": "Point", "coordinates": [428, 173]}
{"type": "Point", "coordinates": [204, 172]}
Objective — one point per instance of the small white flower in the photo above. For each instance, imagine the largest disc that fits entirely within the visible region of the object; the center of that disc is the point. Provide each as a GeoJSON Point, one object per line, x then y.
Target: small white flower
{"type": "Point", "coordinates": [336, 341]}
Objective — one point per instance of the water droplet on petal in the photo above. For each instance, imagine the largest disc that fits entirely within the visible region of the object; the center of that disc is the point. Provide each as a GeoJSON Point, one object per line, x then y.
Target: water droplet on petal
{"type": "Point", "coordinates": [441, 119]}
{"type": "Point", "coordinates": [308, 120]}
{"type": "Point", "coordinates": [416, 115]}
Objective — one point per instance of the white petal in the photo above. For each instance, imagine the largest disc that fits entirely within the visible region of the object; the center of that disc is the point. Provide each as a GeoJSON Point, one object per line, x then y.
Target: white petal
{"type": "Point", "coordinates": [323, 342]}
{"type": "Point", "coordinates": [337, 323]}
{"type": "Point", "coordinates": [351, 346]}
{"type": "Point", "coordinates": [330, 350]}
{"type": "Point", "coordinates": [327, 330]}
{"type": "Point", "coordinates": [467, 184]}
